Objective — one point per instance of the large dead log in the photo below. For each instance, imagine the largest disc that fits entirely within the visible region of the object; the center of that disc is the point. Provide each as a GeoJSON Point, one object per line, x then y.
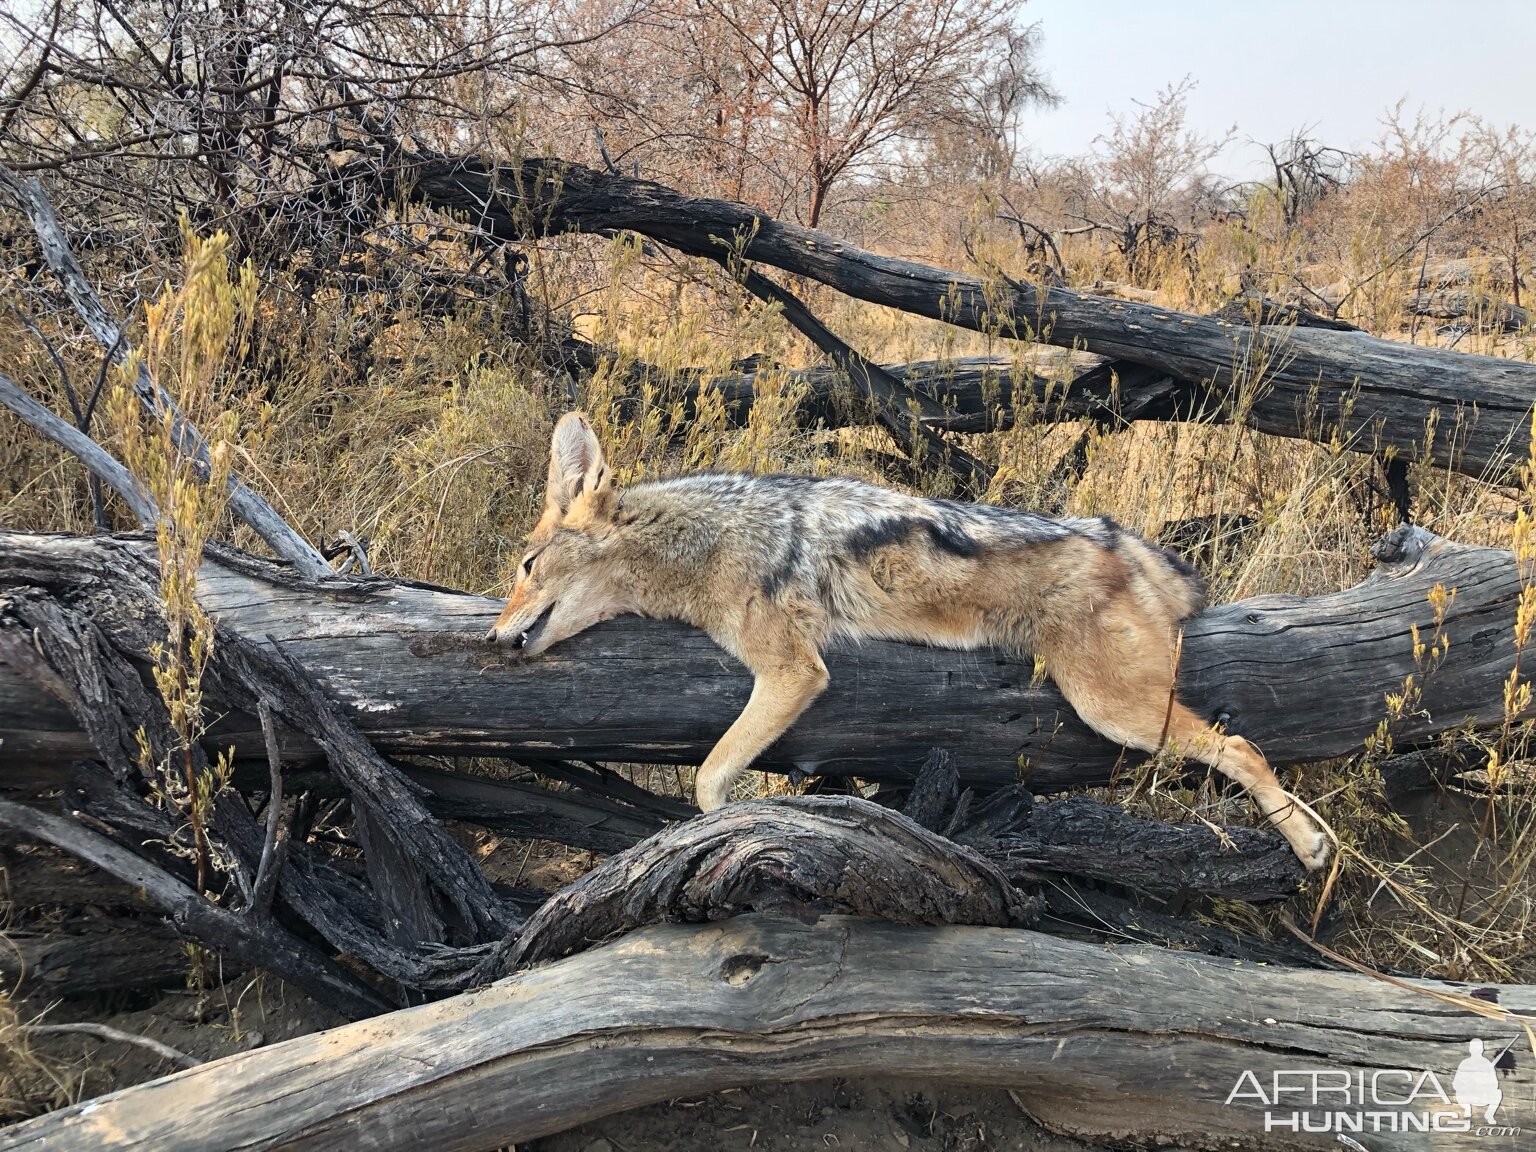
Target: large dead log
{"type": "Point", "coordinates": [1305, 677]}
{"type": "Point", "coordinates": [1126, 1042]}
{"type": "Point", "coordinates": [1288, 380]}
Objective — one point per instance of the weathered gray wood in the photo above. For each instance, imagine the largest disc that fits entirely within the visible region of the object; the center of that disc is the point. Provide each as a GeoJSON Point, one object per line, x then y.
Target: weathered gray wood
{"type": "Point", "coordinates": [1305, 677]}
{"type": "Point", "coordinates": [96, 459]}
{"type": "Point", "coordinates": [1125, 1042]}
{"type": "Point", "coordinates": [1377, 393]}
{"type": "Point", "coordinates": [425, 889]}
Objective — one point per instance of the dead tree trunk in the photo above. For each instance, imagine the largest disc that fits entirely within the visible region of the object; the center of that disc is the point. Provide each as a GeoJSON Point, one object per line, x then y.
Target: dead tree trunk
{"type": "Point", "coordinates": [1287, 380]}
{"type": "Point", "coordinates": [1129, 1042]}
{"type": "Point", "coordinates": [1305, 677]}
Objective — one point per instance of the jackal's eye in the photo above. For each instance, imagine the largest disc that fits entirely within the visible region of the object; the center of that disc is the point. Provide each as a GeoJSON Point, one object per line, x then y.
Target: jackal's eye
{"type": "Point", "coordinates": [528, 564]}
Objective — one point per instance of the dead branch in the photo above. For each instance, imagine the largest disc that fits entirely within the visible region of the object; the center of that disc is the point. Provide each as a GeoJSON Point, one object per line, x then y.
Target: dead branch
{"type": "Point", "coordinates": [98, 461]}
{"type": "Point", "coordinates": [1373, 393]}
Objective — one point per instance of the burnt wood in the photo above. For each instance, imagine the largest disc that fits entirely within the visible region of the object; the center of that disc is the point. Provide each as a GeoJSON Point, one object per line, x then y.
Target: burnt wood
{"type": "Point", "coordinates": [1125, 1043]}
{"type": "Point", "coordinates": [984, 393]}
{"type": "Point", "coordinates": [86, 956]}
{"type": "Point", "coordinates": [1312, 381]}
{"type": "Point", "coordinates": [256, 942]}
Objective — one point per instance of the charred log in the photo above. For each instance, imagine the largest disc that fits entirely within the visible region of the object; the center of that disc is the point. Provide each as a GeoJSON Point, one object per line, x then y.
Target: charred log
{"type": "Point", "coordinates": [1305, 382]}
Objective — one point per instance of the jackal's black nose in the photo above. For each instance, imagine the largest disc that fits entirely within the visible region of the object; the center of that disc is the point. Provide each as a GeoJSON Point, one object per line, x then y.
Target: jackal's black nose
{"type": "Point", "coordinates": [490, 637]}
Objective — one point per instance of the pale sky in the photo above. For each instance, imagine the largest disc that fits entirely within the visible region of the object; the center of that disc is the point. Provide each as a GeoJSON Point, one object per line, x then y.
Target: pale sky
{"type": "Point", "coordinates": [1271, 67]}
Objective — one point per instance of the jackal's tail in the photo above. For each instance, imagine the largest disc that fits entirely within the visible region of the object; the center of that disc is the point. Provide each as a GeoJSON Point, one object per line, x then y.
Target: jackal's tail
{"type": "Point", "coordinates": [1171, 578]}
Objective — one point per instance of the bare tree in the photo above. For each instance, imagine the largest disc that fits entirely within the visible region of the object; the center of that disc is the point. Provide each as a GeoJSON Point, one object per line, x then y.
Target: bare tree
{"type": "Point", "coordinates": [853, 78]}
{"type": "Point", "coordinates": [1305, 172]}
{"type": "Point", "coordinates": [1505, 163]}
{"type": "Point", "coordinates": [1147, 176]}
{"type": "Point", "coordinates": [231, 109]}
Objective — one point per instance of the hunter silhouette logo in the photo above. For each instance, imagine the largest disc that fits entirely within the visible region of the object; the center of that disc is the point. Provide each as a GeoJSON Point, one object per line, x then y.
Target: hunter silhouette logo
{"type": "Point", "coordinates": [1477, 1084]}
{"type": "Point", "coordinates": [1345, 1100]}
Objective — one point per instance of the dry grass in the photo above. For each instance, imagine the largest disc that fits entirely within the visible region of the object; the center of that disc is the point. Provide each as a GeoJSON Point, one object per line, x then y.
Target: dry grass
{"type": "Point", "coordinates": [427, 436]}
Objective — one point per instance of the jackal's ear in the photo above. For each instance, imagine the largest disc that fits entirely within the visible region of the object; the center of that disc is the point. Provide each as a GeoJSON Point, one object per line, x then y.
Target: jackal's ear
{"type": "Point", "coordinates": [576, 462]}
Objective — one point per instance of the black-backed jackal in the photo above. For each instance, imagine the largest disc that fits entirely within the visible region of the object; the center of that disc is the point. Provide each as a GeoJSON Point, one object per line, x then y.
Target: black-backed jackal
{"type": "Point", "coordinates": [773, 567]}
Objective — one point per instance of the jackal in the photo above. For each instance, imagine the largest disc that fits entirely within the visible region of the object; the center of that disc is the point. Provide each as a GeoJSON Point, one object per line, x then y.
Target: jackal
{"type": "Point", "coordinates": [773, 567]}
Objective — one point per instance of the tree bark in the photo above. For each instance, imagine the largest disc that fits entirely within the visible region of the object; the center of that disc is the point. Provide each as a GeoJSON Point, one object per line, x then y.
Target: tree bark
{"type": "Point", "coordinates": [1304, 677]}
{"type": "Point", "coordinates": [1126, 1043]}
{"type": "Point", "coordinates": [793, 852]}
{"type": "Point", "coordinates": [89, 956]}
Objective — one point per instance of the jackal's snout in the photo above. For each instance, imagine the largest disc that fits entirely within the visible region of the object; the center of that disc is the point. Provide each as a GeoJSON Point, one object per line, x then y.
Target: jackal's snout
{"type": "Point", "coordinates": [519, 637]}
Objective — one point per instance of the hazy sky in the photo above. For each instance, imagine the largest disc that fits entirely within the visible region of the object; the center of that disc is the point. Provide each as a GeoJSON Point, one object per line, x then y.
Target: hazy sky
{"type": "Point", "coordinates": [1271, 67]}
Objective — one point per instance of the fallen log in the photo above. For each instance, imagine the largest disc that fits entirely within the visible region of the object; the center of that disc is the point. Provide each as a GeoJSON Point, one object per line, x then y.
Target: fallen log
{"type": "Point", "coordinates": [87, 957]}
{"type": "Point", "coordinates": [986, 393]}
{"type": "Point", "coordinates": [1177, 1053]}
{"type": "Point", "coordinates": [1305, 677]}
{"type": "Point", "coordinates": [1288, 380]}
{"type": "Point", "coordinates": [1475, 310]}
{"type": "Point", "coordinates": [242, 937]}
{"type": "Point", "coordinates": [763, 854]}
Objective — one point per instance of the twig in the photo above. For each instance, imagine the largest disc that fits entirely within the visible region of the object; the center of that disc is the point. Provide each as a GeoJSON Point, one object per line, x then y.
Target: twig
{"type": "Point", "coordinates": [101, 378]}
{"type": "Point", "coordinates": [272, 852]}
{"type": "Point", "coordinates": [13, 104]}
{"type": "Point", "coordinates": [82, 416]}
{"type": "Point", "coordinates": [104, 1032]}
{"type": "Point", "coordinates": [602, 150]}
{"type": "Point", "coordinates": [1417, 851]}
{"type": "Point", "coordinates": [1019, 222]}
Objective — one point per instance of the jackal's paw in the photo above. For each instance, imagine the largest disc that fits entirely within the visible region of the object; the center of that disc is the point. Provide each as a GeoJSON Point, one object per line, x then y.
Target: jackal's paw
{"type": "Point", "coordinates": [1312, 848]}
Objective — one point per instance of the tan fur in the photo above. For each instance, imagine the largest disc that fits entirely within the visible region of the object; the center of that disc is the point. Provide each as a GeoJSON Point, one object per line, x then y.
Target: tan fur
{"type": "Point", "coordinates": [773, 568]}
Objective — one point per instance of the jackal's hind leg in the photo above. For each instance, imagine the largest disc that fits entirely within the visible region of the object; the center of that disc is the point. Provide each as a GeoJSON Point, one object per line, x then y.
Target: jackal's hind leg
{"type": "Point", "coordinates": [1241, 762]}
{"type": "Point", "coordinates": [789, 675]}
{"type": "Point", "coordinates": [1117, 673]}
{"type": "Point", "coordinates": [1233, 757]}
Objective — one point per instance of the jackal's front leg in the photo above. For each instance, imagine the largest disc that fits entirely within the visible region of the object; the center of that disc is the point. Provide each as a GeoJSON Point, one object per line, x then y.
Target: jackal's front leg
{"type": "Point", "coordinates": [789, 675]}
